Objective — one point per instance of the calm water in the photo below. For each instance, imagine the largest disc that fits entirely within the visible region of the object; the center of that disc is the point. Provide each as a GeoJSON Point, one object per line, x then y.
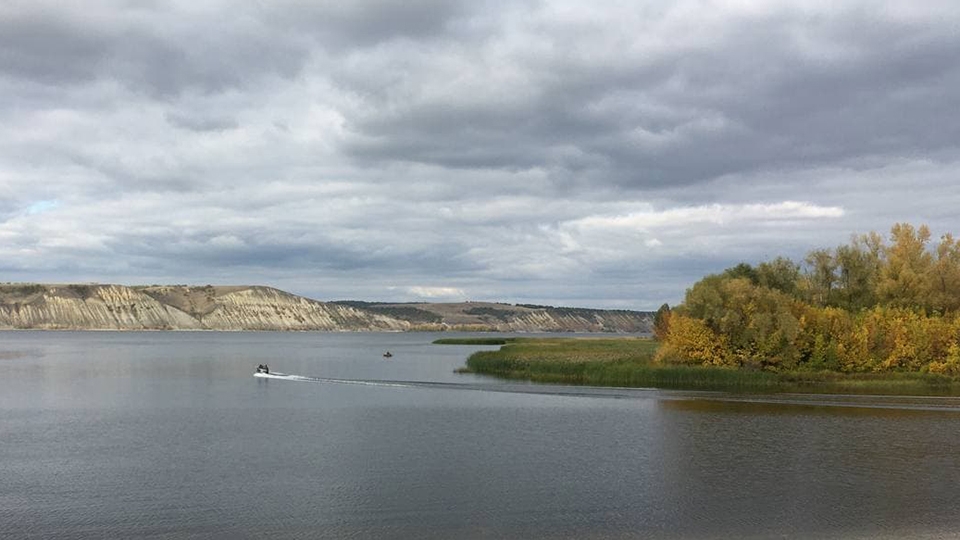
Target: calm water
{"type": "Point", "coordinates": [168, 435]}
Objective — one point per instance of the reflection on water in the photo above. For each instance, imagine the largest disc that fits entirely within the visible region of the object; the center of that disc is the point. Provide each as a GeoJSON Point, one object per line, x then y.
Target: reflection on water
{"type": "Point", "coordinates": [873, 470]}
{"type": "Point", "coordinates": [169, 435]}
{"type": "Point", "coordinates": [810, 404]}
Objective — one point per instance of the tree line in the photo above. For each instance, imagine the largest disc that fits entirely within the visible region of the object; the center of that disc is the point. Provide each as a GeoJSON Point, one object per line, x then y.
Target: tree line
{"type": "Point", "coordinates": [873, 304]}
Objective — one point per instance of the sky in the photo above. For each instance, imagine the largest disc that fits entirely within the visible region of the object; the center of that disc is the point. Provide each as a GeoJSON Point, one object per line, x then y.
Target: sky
{"type": "Point", "coordinates": [567, 153]}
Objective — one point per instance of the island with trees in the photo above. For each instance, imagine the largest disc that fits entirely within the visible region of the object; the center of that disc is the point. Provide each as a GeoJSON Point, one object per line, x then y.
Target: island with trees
{"type": "Point", "coordinates": [875, 315]}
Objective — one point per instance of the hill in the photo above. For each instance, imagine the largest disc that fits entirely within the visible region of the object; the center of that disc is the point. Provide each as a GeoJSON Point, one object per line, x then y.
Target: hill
{"type": "Point", "coordinates": [180, 307]}
{"type": "Point", "coordinates": [117, 307]}
{"type": "Point", "coordinates": [490, 316]}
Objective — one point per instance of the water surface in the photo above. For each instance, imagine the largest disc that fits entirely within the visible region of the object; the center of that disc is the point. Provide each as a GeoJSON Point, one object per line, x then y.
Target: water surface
{"type": "Point", "coordinates": [168, 435]}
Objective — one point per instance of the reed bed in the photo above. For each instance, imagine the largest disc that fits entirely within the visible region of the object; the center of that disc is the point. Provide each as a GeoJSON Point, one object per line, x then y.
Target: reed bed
{"type": "Point", "coordinates": [628, 362]}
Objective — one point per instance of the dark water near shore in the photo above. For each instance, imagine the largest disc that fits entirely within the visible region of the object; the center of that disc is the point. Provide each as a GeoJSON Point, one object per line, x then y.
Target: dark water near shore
{"type": "Point", "coordinates": [167, 435]}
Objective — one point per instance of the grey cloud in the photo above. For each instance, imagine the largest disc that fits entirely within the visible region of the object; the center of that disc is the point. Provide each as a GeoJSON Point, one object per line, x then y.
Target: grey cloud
{"type": "Point", "coordinates": [755, 99]}
{"type": "Point", "coordinates": [161, 53]}
{"type": "Point", "coordinates": [369, 148]}
{"type": "Point", "coordinates": [339, 25]}
{"type": "Point", "coordinates": [43, 47]}
{"type": "Point", "coordinates": [201, 122]}
{"type": "Point", "coordinates": [165, 51]}
{"type": "Point", "coordinates": [283, 246]}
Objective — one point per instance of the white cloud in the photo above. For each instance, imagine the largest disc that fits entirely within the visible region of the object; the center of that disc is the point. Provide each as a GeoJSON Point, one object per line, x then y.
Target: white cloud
{"type": "Point", "coordinates": [714, 214]}
{"type": "Point", "coordinates": [437, 292]}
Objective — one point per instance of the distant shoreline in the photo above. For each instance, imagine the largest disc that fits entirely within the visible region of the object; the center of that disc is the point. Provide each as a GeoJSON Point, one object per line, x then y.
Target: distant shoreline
{"type": "Point", "coordinates": [86, 307]}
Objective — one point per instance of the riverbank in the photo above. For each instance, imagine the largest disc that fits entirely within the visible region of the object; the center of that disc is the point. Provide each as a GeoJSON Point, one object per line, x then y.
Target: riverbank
{"type": "Point", "coordinates": [629, 362]}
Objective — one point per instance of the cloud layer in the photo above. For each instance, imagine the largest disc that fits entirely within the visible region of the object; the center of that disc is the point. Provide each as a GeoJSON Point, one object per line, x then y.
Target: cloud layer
{"type": "Point", "coordinates": [541, 151]}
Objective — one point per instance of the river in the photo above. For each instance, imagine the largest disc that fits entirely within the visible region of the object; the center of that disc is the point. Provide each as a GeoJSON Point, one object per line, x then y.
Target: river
{"type": "Point", "coordinates": [168, 435]}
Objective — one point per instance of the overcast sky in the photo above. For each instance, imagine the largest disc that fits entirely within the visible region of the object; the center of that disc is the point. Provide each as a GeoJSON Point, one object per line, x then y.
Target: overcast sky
{"type": "Point", "coordinates": [559, 153]}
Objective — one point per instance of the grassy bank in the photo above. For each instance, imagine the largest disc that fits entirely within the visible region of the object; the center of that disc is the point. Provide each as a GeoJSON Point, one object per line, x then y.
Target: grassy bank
{"type": "Point", "coordinates": [629, 362]}
{"type": "Point", "coordinates": [473, 341]}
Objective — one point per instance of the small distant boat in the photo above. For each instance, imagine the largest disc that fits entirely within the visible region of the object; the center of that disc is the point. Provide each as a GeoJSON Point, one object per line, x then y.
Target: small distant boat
{"type": "Point", "coordinates": [387, 355]}
{"type": "Point", "coordinates": [262, 369]}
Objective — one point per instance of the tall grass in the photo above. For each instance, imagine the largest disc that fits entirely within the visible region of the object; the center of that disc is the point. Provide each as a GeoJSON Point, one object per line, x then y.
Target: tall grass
{"type": "Point", "coordinates": [629, 362]}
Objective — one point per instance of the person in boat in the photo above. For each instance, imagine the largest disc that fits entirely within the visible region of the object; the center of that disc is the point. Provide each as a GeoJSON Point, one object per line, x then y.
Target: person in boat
{"type": "Point", "coordinates": [387, 354]}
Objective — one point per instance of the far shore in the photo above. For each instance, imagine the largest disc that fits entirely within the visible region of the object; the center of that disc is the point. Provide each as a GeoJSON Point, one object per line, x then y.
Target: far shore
{"type": "Point", "coordinates": [567, 334]}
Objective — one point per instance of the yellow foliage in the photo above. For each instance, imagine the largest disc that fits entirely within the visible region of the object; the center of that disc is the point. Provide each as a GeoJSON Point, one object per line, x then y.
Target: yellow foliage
{"type": "Point", "coordinates": [853, 351]}
{"type": "Point", "coordinates": [878, 339]}
{"type": "Point", "coordinates": [868, 306]}
{"type": "Point", "coordinates": [950, 364]}
{"type": "Point", "coordinates": [689, 340]}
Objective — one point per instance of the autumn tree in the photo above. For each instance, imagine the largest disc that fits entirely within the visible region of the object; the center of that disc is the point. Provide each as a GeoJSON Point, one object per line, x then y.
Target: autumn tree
{"type": "Point", "coordinates": [691, 341]}
{"type": "Point", "coordinates": [904, 279]}
{"type": "Point", "coordinates": [661, 322]}
{"type": "Point", "coordinates": [944, 278]}
{"type": "Point", "coordinates": [866, 306]}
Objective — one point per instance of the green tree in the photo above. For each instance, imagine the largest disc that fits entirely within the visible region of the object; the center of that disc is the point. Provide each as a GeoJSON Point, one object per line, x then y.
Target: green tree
{"type": "Point", "coordinates": [780, 274]}
{"type": "Point", "coordinates": [757, 322]}
{"type": "Point", "coordinates": [704, 300]}
{"type": "Point", "coordinates": [742, 270]}
{"type": "Point", "coordinates": [821, 276]}
{"type": "Point", "coordinates": [858, 271]}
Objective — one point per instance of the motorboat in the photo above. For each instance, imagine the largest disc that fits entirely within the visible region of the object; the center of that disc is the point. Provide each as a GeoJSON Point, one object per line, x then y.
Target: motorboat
{"type": "Point", "coordinates": [388, 354]}
{"type": "Point", "coordinates": [264, 372]}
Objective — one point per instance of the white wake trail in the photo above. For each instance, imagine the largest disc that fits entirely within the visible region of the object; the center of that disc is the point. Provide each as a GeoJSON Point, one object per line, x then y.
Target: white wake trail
{"type": "Point", "coordinates": [285, 377]}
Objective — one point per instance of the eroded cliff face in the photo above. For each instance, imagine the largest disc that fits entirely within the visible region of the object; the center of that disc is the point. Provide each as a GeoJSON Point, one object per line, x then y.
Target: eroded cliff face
{"type": "Point", "coordinates": [86, 308]}
{"type": "Point", "coordinates": [487, 316]}
{"type": "Point", "coordinates": [116, 307]}
{"type": "Point", "coordinates": [179, 307]}
{"type": "Point", "coordinates": [263, 308]}
{"type": "Point", "coordinates": [555, 320]}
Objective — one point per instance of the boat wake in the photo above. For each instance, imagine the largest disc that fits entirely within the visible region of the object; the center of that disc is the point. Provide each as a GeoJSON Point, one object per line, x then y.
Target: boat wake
{"type": "Point", "coordinates": [927, 403]}
{"type": "Point", "coordinates": [284, 376]}
{"type": "Point", "coordinates": [525, 388]}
